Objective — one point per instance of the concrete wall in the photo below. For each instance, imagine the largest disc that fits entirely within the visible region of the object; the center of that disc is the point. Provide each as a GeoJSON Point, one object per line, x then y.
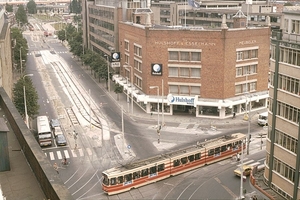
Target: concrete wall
{"type": "Point", "coordinates": [37, 160]}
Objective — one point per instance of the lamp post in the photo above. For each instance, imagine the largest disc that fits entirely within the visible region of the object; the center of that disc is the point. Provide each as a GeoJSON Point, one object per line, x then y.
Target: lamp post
{"type": "Point", "coordinates": [131, 80]}
{"type": "Point", "coordinates": [26, 116]}
{"type": "Point", "coordinates": [108, 84]}
{"type": "Point", "coordinates": [21, 59]}
{"type": "Point", "coordinates": [242, 171]}
{"type": "Point", "coordinates": [158, 126]}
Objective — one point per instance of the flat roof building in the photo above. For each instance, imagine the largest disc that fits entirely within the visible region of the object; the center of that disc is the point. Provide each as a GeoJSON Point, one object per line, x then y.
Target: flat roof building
{"type": "Point", "coordinates": [197, 71]}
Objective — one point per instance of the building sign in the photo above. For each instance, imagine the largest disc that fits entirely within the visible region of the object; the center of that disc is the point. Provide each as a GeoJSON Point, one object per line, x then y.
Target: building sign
{"type": "Point", "coordinates": [180, 100]}
{"type": "Point", "coordinates": [115, 64]}
{"type": "Point", "coordinates": [156, 69]}
{"type": "Point", "coordinates": [115, 57]}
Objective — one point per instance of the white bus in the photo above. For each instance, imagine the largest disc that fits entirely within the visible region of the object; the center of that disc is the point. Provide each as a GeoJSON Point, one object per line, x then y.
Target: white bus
{"type": "Point", "coordinates": [263, 119]}
{"type": "Point", "coordinates": [44, 131]}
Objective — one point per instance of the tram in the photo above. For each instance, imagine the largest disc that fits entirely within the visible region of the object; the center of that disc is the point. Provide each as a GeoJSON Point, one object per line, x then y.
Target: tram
{"type": "Point", "coordinates": [142, 172]}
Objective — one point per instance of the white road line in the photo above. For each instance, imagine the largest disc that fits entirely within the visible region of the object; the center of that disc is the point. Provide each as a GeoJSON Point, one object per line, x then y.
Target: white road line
{"type": "Point", "coordinates": [51, 154]}
{"type": "Point", "coordinates": [74, 154]}
{"type": "Point", "coordinates": [66, 153]}
{"type": "Point", "coordinates": [81, 153]}
{"type": "Point", "coordinates": [59, 155]}
{"type": "Point", "coordinates": [89, 151]}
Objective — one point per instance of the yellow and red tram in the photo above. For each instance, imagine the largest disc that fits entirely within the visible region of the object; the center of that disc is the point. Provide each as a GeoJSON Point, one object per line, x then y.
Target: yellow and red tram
{"type": "Point", "coordinates": [143, 172]}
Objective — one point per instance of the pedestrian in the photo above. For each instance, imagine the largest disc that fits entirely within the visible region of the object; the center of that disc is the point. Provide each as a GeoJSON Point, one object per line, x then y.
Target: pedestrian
{"type": "Point", "coordinates": [238, 157]}
{"type": "Point", "coordinates": [233, 115]}
{"type": "Point", "coordinates": [55, 167]}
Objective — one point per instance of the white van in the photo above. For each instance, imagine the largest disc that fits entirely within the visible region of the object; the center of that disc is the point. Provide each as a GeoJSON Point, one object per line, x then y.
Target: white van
{"type": "Point", "coordinates": [57, 131]}
{"type": "Point", "coordinates": [263, 119]}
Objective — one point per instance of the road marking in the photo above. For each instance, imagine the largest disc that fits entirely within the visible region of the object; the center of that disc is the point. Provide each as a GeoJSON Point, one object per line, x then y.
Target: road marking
{"type": "Point", "coordinates": [89, 151]}
{"type": "Point", "coordinates": [51, 154]}
{"type": "Point", "coordinates": [81, 152]}
{"type": "Point", "coordinates": [245, 163]}
{"type": "Point", "coordinates": [66, 153]}
{"type": "Point", "coordinates": [59, 155]}
{"type": "Point", "coordinates": [74, 154]}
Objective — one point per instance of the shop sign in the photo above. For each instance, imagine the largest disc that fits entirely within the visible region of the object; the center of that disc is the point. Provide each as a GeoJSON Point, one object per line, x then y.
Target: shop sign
{"type": "Point", "coordinates": [180, 100]}
{"type": "Point", "coordinates": [156, 69]}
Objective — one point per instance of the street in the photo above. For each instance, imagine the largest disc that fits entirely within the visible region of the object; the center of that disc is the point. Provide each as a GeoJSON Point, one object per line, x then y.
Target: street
{"type": "Point", "coordinates": [67, 89]}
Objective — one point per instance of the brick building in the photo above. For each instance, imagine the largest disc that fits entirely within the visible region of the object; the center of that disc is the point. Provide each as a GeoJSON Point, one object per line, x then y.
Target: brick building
{"type": "Point", "coordinates": [206, 73]}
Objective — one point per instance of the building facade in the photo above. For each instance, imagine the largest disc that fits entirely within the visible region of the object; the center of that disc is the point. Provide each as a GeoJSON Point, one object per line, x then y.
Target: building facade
{"type": "Point", "coordinates": [6, 73]}
{"type": "Point", "coordinates": [283, 152]}
{"type": "Point", "coordinates": [205, 73]}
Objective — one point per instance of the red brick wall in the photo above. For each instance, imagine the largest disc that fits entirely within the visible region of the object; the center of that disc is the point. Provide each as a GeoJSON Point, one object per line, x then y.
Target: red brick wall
{"type": "Point", "coordinates": [218, 58]}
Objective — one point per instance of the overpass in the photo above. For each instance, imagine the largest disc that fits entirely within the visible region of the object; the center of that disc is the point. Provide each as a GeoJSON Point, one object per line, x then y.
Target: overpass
{"type": "Point", "coordinates": [38, 2]}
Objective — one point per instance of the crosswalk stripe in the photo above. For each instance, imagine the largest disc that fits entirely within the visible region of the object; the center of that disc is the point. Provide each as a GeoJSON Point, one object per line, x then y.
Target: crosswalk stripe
{"type": "Point", "coordinates": [254, 164]}
{"type": "Point", "coordinates": [74, 153]}
{"type": "Point", "coordinates": [89, 151]}
{"type": "Point", "coordinates": [81, 152]}
{"type": "Point", "coordinates": [59, 155]}
{"type": "Point", "coordinates": [51, 154]}
{"type": "Point", "coordinates": [66, 153]}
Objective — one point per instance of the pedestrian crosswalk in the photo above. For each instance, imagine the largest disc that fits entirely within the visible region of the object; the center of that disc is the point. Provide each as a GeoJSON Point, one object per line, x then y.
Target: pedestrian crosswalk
{"type": "Point", "coordinates": [68, 153]}
{"type": "Point", "coordinates": [248, 162]}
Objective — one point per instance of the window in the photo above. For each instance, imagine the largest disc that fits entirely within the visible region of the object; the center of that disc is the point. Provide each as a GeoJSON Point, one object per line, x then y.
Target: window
{"type": "Point", "coordinates": [185, 56]}
{"type": "Point", "coordinates": [126, 44]}
{"type": "Point", "coordinates": [136, 175]}
{"type": "Point", "coordinates": [195, 90]}
{"type": "Point", "coordinates": [120, 179]}
{"type": "Point", "coordinates": [191, 158]}
{"type": "Point", "coordinates": [184, 90]}
{"type": "Point", "coordinates": [176, 163]}
{"type": "Point", "coordinates": [211, 152]}
{"type": "Point", "coordinates": [128, 177]}
{"type": "Point", "coordinates": [161, 167]}
{"type": "Point", "coordinates": [195, 72]}
{"type": "Point", "coordinates": [113, 181]}
{"type": "Point", "coordinates": [184, 160]}
{"type": "Point", "coordinates": [238, 71]}
{"type": "Point", "coordinates": [184, 72]}
{"type": "Point", "coordinates": [126, 58]}
{"type": "Point", "coordinates": [284, 169]}
{"type": "Point", "coordinates": [198, 156]}
{"type": "Point", "coordinates": [246, 54]}
{"type": "Point", "coordinates": [173, 72]}
{"type": "Point", "coordinates": [137, 51]}
{"type": "Point", "coordinates": [138, 65]}
{"type": "Point", "coordinates": [144, 172]}
{"type": "Point", "coordinates": [153, 170]}
{"type": "Point", "coordinates": [288, 112]}
{"type": "Point", "coordinates": [173, 89]}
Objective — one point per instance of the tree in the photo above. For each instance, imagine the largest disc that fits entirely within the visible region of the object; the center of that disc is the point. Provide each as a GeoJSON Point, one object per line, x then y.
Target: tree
{"type": "Point", "coordinates": [31, 97]}
{"type": "Point", "coordinates": [118, 89]}
{"type": "Point", "coordinates": [21, 16]}
{"type": "Point", "coordinates": [75, 7]}
{"type": "Point", "coordinates": [31, 7]}
{"type": "Point", "coordinates": [19, 46]}
{"type": "Point", "coordinates": [9, 8]}
{"type": "Point", "coordinates": [61, 35]}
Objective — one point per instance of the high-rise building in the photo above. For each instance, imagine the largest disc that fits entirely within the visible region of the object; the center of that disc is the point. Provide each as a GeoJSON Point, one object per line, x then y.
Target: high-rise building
{"type": "Point", "coordinates": [283, 151]}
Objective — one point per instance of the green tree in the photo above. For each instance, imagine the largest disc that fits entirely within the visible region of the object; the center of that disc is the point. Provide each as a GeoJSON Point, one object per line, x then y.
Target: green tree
{"type": "Point", "coordinates": [31, 97]}
{"type": "Point", "coordinates": [9, 8]}
{"type": "Point", "coordinates": [31, 7]}
{"type": "Point", "coordinates": [20, 47]}
{"type": "Point", "coordinates": [75, 7]}
{"type": "Point", "coordinates": [118, 89]}
{"type": "Point", "coordinates": [21, 16]}
{"type": "Point", "coordinates": [61, 35]}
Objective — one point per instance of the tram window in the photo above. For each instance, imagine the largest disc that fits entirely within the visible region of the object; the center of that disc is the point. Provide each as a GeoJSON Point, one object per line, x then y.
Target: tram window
{"type": "Point", "coordinates": [176, 163]}
{"type": "Point", "coordinates": [113, 181]}
{"type": "Point", "coordinates": [120, 179]}
{"type": "Point", "coordinates": [152, 170]}
{"type": "Point", "coordinates": [105, 180]}
{"type": "Point", "coordinates": [197, 156]}
{"type": "Point", "coordinates": [136, 175]}
{"type": "Point", "coordinates": [229, 146]}
{"type": "Point", "coordinates": [128, 177]}
{"type": "Point", "coordinates": [184, 160]}
{"type": "Point", "coordinates": [211, 152]}
{"type": "Point", "coordinates": [191, 158]}
{"type": "Point", "coordinates": [161, 167]}
{"type": "Point", "coordinates": [217, 151]}
{"type": "Point", "coordinates": [240, 142]}
{"type": "Point", "coordinates": [223, 148]}
{"type": "Point", "coordinates": [144, 172]}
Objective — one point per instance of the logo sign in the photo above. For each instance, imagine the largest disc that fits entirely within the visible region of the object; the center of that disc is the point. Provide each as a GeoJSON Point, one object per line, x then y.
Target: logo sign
{"type": "Point", "coordinates": [156, 69]}
{"type": "Point", "coordinates": [115, 57]}
{"type": "Point", "coordinates": [180, 100]}
{"type": "Point", "coordinates": [115, 64]}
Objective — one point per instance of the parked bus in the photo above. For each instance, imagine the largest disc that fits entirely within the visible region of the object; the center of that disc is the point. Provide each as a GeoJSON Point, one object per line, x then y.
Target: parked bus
{"type": "Point", "coordinates": [263, 119]}
{"type": "Point", "coordinates": [143, 172]}
{"type": "Point", "coordinates": [44, 131]}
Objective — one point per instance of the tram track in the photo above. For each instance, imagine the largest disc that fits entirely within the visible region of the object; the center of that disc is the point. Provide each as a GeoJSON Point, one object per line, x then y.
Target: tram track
{"type": "Point", "coordinates": [82, 105]}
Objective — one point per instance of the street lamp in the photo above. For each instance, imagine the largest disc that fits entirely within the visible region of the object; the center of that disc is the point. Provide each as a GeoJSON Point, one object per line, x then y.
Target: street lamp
{"type": "Point", "coordinates": [158, 126]}
{"type": "Point", "coordinates": [131, 80]}
{"type": "Point", "coordinates": [21, 59]}
{"type": "Point", "coordinates": [26, 116]}
{"type": "Point", "coordinates": [108, 84]}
